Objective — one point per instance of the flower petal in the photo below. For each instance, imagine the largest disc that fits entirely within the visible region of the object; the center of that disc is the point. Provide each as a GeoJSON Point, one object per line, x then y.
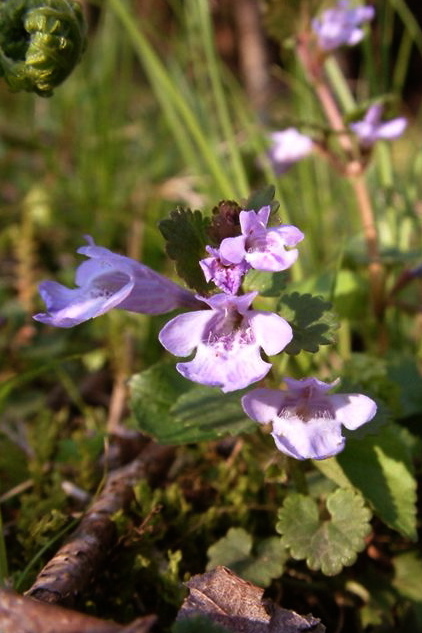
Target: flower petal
{"type": "Point", "coordinates": [232, 249]}
{"type": "Point", "coordinates": [314, 439]}
{"type": "Point", "coordinates": [182, 334]}
{"type": "Point", "coordinates": [262, 405]}
{"type": "Point", "coordinates": [274, 259]}
{"type": "Point", "coordinates": [392, 129]}
{"type": "Point", "coordinates": [254, 221]}
{"type": "Point", "coordinates": [353, 409]}
{"type": "Point", "coordinates": [288, 147]}
{"type": "Point", "coordinates": [341, 25]}
{"type": "Point", "coordinates": [229, 371]}
{"type": "Point", "coordinates": [271, 331]}
{"type": "Point", "coordinates": [107, 281]}
{"type": "Point", "coordinates": [68, 307]}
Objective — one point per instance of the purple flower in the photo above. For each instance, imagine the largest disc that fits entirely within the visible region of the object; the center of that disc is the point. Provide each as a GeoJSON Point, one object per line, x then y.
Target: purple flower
{"type": "Point", "coordinates": [227, 339]}
{"type": "Point", "coordinates": [288, 147]}
{"type": "Point", "coordinates": [341, 25]}
{"type": "Point", "coordinates": [262, 248]}
{"type": "Point", "coordinates": [306, 420]}
{"type": "Point", "coordinates": [226, 276]}
{"type": "Point", "coordinates": [371, 128]}
{"type": "Point", "coordinates": [109, 281]}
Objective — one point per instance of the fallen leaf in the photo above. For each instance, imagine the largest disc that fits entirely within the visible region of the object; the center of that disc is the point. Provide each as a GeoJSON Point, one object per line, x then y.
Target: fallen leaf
{"type": "Point", "coordinates": [237, 605]}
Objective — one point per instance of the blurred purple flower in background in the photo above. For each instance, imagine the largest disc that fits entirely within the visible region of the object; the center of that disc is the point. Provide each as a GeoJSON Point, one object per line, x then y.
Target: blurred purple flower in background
{"type": "Point", "coordinates": [227, 339]}
{"type": "Point", "coordinates": [288, 147]}
{"type": "Point", "coordinates": [109, 281]}
{"type": "Point", "coordinates": [341, 25]}
{"type": "Point", "coordinates": [226, 276]}
{"type": "Point", "coordinates": [259, 247]}
{"type": "Point", "coordinates": [306, 421]}
{"type": "Point", "coordinates": [371, 128]}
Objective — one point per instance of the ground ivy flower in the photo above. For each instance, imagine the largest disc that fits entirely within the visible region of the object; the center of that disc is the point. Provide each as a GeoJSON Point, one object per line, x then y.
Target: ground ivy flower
{"type": "Point", "coordinates": [306, 420]}
{"type": "Point", "coordinates": [227, 339]}
{"type": "Point", "coordinates": [288, 147]}
{"type": "Point", "coordinates": [107, 281]}
{"type": "Point", "coordinates": [226, 276]}
{"type": "Point", "coordinates": [341, 25]}
{"type": "Point", "coordinates": [259, 247]}
{"type": "Point", "coordinates": [372, 128]}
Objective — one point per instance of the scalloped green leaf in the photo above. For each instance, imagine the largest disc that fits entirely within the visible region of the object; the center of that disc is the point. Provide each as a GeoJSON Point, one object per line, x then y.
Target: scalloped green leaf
{"type": "Point", "coordinates": [312, 321]}
{"type": "Point", "coordinates": [235, 552]}
{"type": "Point", "coordinates": [381, 468]}
{"type": "Point", "coordinates": [185, 232]}
{"type": "Point", "coordinates": [326, 544]}
{"type": "Point", "coordinates": [175, 411]}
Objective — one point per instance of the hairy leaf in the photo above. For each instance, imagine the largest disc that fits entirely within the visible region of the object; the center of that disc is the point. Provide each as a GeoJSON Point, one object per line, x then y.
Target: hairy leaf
{"type": "Point", "coordinates": [326, 544]}
{"type": "Point", "coordinates": [175, 411]}
{"type": "Point", "coordinates": [312, 322]}
{"type": "Point", "coordinates": [185, 232]}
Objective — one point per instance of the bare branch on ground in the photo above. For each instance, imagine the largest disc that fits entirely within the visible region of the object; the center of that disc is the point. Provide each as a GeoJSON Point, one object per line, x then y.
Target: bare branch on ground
{"type": "Point", "coordinates": [77, 562]}
{"type": "Point", "coordinates": [19, 614]}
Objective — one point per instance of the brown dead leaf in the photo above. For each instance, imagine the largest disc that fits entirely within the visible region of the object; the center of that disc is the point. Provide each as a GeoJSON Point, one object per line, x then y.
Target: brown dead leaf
{"type": "Point", "coordinates": [238, 605]}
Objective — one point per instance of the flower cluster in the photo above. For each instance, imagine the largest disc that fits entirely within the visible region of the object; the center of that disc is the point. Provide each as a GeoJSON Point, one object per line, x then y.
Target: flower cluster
{"type": "Point", "coordinates": [228, 339]}
{"type": "Point", "coordinates": [339, 26]}
{"type": "Point", "coordinates": [222, 333]}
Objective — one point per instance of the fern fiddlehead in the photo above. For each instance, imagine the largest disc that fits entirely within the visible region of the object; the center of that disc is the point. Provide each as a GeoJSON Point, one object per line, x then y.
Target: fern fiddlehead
{"type": "Point", "coordinates": [41, 41]}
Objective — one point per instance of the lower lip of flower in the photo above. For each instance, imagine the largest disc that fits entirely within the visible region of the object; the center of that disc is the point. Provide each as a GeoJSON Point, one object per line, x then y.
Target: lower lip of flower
{"type": "Point", "coordinates": [229, 334]}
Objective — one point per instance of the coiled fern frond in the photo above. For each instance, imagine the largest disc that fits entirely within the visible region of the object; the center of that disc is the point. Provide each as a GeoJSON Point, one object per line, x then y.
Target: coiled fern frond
{"type": "Point", "coordinates": [41, 41]}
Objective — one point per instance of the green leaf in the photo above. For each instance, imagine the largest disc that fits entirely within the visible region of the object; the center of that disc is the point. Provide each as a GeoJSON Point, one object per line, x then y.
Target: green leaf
{"type": "Point", "coordinates": [404, 372]}
{"type": "Point", "coordinates": [312, 322]}
{"type": "Point", "coordinates": [345, 288]}
{"type": "Point", "coordinates": [381, 468]}
{"type": "Point", "coordinates": [326, 544]}
{"type": "Point", "coordinates": [350, 295]}
{"type": "Point", "coordinates": [379, 598]}
{"type": "Point", "coordinates": [262, 198]}
{"type": "Point", "coordinates": [266, 283]}
{"type": "Point", "coordinates": [185, 232]}
{"type": "Point", "coordinates": [408, 575]}
{"type": "Point", "coordinates": [408, 582]}
{"type": "Point", "coordinates": [235, 552]}
{"type": "Point", "coordinates": [176, 411]}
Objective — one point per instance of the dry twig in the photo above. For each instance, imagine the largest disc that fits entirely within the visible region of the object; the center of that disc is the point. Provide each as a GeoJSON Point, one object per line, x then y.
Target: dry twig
{"type": "Point", "coordinates": [74, 566]}
{"type": "Point", "coordinates": [19, 614]}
